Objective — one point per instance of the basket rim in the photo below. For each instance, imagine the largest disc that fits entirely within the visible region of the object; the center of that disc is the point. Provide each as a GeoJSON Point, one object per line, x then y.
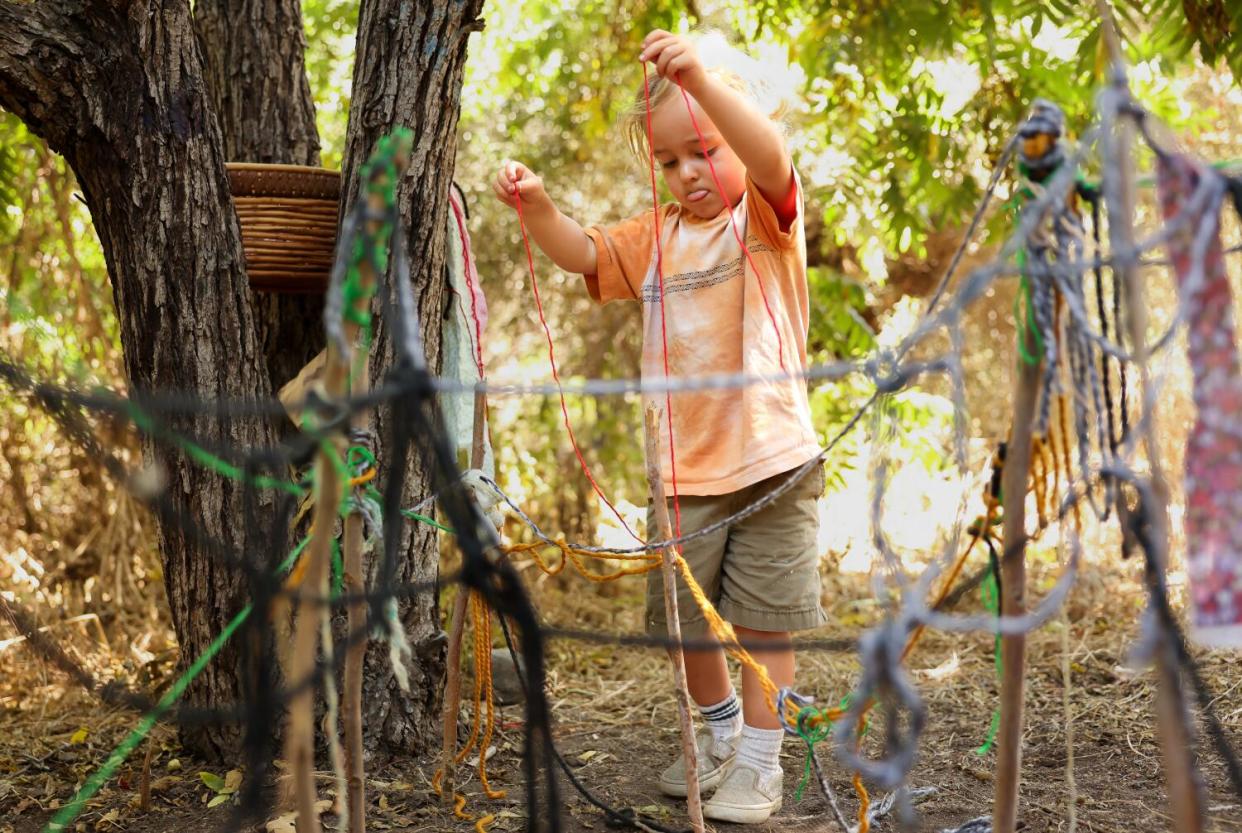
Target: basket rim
{"type": "Point", "coordinates": [281, 168]}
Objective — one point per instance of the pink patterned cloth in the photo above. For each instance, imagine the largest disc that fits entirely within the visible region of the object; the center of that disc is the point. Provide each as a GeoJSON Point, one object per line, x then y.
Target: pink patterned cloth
{"type": "Point", "coordinates": [1213, 484]}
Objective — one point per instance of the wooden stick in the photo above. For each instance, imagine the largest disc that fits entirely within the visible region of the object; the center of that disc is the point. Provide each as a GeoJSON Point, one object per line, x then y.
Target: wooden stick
{"type": "Point", "coordinates": [355, 583]}
{"type": "Point", "coordinates": [144, 783]}
{"type": "Point", "coordinates": [1184, 792]}
{"type": "Point", "coordinates": [300, 738]}
{"type": "Point", "coordinates": [694, 801]}
{"type": "Point", "coordinates": [1014, 479]}
{"type": "Point", "coordinates": [457, 622]}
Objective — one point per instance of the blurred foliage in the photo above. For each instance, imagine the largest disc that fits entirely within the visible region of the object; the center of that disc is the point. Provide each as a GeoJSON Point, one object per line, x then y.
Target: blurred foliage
{"type": "Point", "coordinates": [57, 309]}
{"type": "Point", "coordinates": [69, 537]}
{"type": "Point", "coordinates": [330, 26]}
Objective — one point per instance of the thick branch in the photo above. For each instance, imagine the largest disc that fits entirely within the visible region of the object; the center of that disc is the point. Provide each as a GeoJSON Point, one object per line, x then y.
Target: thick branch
{"type": "Point", "coordinates": [45, 50]}
{"type": "Point", "coordinates": [410, 61]}
{"type": "Point", "coordinates": [254, 60]}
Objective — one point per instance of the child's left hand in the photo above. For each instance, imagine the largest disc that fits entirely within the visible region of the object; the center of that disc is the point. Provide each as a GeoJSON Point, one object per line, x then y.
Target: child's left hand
{"type": "Point", "coordinates": [675, 57]}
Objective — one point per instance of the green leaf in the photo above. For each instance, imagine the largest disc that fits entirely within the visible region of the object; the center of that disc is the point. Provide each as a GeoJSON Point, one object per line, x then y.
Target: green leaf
{"type": "Point", "coordinates": [213, 782]}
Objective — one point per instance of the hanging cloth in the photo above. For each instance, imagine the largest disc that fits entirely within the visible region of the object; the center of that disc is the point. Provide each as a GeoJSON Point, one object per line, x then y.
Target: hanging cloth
{"type": "Point", "coordinates": [1213, 479]}
{"type": "Point", "coordinates": [465, 321]}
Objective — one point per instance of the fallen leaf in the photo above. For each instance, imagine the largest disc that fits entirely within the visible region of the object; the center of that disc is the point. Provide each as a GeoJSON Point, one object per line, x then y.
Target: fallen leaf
{"type": "Point", "coordinates": [214, 782]}
{"type": "Point", "coordinates": [285, 823]}
{"type": "Point", "coordinates": [162, 783]}
{"type": "Point", "coordinates": [658, 810]}
{"type": "Point", "coordinates": [491, 752]}
{"type": "Point", "coordinates": [232, 781]}
{"type": "Point", "coordinates": [79, 737]}
{"type": "Point", "coordinates": [218, 800]}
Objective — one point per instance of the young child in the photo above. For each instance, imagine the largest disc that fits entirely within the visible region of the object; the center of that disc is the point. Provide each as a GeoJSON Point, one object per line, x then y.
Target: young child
{"type": "Point", "coordinates": [733, 446]}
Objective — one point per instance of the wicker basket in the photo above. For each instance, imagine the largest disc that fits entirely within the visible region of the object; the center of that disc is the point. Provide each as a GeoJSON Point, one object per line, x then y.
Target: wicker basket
{"type": "Point", "coordinates": [289, 217]}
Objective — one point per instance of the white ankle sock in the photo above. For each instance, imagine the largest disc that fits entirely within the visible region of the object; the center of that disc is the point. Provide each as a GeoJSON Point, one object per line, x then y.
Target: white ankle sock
{"type": "Point", "coordinates": [724, 718]}
{"type": "Point", "coordinates": [761, 749]}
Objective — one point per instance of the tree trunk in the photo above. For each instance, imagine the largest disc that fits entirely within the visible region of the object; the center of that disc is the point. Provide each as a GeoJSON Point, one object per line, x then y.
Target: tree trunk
{"type": "Point", "coordinates": [254, 62]}
{"type": "Point", "coordinates": [118, 89]}
{"type": "Point", "coordinates": [408, 71]}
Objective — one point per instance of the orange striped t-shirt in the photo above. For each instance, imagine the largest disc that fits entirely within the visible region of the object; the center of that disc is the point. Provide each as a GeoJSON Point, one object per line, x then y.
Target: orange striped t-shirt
{"type": "Point", "coordinates": [727, 438]}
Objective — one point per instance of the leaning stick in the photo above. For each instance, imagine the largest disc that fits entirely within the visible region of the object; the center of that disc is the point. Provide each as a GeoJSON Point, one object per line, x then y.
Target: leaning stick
{"type": "Point", "coordinates": [1014, 478]}
{"type": "Point", "coordinates": [694, 802]}
{"type": "Point", "coordinates": [313, 579]}
{"type": "Point", "coordinates": [1175, 744]}
{"type": "Point", "coordinates": [452, 683]}
{"type": "Point", "coordinates": [313, 573]}
{"type": "Point", "coordinates": [355, 577]}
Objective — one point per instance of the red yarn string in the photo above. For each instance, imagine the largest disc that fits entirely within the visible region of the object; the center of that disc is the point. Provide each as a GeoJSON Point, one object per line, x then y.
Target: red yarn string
{"type": "Point", "coordinates": [780, 347]}
{"type": "Point", "coordinates": [659, 246]}
{"type": "Point", "coordinates": [547, 332]}
{"type": "Point", "coordinates": [477, 340]}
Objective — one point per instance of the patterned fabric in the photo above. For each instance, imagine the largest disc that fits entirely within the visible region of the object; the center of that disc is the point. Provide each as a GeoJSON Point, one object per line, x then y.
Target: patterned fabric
{"type": "Point", "coordinates": [1213, 483]}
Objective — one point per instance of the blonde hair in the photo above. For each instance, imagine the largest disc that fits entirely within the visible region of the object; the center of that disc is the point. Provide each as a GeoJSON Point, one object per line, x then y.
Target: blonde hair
{"type": "Point", "coordinates": [732, 67]}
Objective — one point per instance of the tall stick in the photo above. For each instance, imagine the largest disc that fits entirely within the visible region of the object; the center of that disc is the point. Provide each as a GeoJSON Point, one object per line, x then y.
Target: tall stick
{"type": "Point", "coordinates": [694, 802]}
{"type": "Point", "coordinates": [1014, 479]}
{"type": "Point", "coordinates": [300, 738]}
{"type": "Point", "coordinates": [339, 367]}
{"type": "Point", "coordinates": [457, 622]}
{"type": "Point", "coordinates": [1184, 795]}
{"type": "Point", "coordinates": [355, 583]}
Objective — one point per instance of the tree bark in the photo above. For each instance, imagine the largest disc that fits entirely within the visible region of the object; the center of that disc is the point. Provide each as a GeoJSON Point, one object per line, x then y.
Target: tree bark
{"type": "Point", "coordinates": [118, 89]}
{"type": "Point", "coordinates": [254, 63]}
{"type": "Point", "coordinates": [408, 71]}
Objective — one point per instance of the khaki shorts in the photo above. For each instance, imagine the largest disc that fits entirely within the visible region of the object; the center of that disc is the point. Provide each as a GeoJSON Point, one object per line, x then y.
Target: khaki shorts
{"type": "Point", "coordinates": [761, 572]}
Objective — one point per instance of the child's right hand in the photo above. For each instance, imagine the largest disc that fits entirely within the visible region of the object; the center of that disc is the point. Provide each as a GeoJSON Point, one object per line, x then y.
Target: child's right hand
{"type": "Point", "coordinates": [516, 179]}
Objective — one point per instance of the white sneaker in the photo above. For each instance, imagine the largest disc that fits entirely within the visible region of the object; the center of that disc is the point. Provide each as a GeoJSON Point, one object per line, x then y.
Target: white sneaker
{"type": "Point", "coordinates": [745, 796]}
{"type": "Point", "coordinates": [715, 756]}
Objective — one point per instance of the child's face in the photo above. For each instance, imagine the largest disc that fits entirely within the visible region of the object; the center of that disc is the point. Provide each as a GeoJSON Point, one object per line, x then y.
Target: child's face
{"type": "Point", "coordinates": [679, 154]}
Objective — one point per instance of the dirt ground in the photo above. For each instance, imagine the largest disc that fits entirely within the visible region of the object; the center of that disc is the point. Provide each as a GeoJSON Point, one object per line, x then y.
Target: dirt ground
{"type": "Point", "coordinates": [615, 717]}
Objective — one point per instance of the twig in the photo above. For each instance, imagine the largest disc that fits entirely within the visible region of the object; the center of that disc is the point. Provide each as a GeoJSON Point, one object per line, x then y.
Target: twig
{"type": "Point", "coordinates": [1013, 596]}
{"type": "Point", "coordinates": [694, 801]}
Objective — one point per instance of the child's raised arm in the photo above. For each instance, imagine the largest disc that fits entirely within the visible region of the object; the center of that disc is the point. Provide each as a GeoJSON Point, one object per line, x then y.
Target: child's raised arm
{"type": "Point", "coordinates": [751, 134]}
{"type": "Point", "coordinates": [560, 237]}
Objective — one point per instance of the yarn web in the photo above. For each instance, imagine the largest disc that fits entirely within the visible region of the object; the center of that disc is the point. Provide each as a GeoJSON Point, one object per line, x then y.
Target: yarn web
{"type": "Point", "coordinates": [408, 386]}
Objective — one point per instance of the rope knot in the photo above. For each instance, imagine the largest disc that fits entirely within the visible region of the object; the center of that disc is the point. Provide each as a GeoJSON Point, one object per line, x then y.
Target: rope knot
{"type": "Point", "coordinates": [790, 708]}
{"type": "Point", "coordinates": [886, 373]}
